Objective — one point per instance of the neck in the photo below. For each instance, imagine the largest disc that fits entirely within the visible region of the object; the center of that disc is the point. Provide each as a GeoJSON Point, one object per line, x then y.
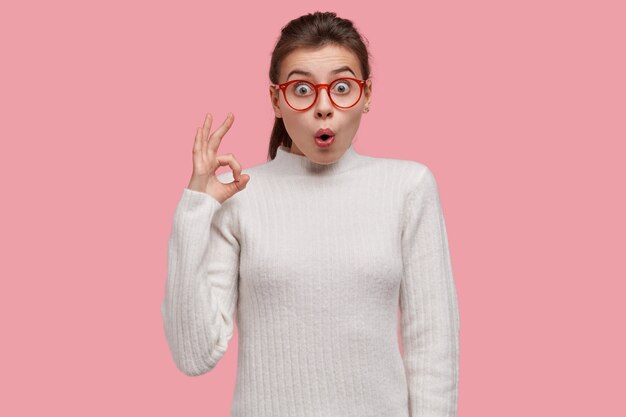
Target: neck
{"type": "Point", "coordinates": [293, 163]}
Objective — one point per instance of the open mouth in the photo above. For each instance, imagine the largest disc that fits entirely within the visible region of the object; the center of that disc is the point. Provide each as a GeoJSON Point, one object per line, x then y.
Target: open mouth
{"type": "Point", "coordinates": [324, 137]}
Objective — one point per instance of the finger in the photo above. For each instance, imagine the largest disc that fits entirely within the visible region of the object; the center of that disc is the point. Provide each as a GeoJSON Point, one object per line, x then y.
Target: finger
{"type": "Point", "coordinates": [201, 134]}
{"type": "Point", "coordinates": [241, 184]}
{"type": "Point", "coordinates": [216, 137]}
{"type": "Point", "coordinates": [235, 166]}
{"type": "Point", "coordinates": [206, 128]}
{"type": "Point", "coordinates": [197, 148]}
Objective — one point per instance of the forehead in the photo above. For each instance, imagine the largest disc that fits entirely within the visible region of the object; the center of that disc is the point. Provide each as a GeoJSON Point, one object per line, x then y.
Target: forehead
{"type": "Point", "coordinates": [320, 61]}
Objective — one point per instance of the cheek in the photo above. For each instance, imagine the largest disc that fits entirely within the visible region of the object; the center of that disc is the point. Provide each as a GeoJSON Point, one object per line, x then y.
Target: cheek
{"type": "Point", "coordinates": [291, 121]}
{"type": "Point", "coordinates": [354, 119]}
{"type": "Point", "coordinates": [293, 125]}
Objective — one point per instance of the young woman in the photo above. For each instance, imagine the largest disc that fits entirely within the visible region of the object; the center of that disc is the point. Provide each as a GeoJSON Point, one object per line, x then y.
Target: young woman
{"type": "Point", "coordinates": [313, 257]}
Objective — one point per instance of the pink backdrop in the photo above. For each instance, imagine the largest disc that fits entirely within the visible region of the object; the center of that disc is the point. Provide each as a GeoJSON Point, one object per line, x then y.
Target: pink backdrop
{"type": "Point", "coordinates": [518, 108]}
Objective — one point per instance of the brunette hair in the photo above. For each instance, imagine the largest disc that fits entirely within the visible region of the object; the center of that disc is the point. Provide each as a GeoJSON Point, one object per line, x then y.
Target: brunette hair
{"type": "Point", "coordinates": [313, 30]}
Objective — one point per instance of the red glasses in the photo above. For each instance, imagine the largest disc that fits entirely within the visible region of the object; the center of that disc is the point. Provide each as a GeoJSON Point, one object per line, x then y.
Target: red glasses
{"type": "Point", "coordinates": [300, 95]}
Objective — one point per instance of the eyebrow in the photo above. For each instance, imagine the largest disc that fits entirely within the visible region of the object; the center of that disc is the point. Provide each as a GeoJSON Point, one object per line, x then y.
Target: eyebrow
{"type": "Point", "coordinates": [335, 71]}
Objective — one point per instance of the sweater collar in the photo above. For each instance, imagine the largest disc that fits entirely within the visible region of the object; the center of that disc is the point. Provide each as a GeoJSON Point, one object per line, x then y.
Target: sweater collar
{"type": "Point", "coordinates": [294, 163]}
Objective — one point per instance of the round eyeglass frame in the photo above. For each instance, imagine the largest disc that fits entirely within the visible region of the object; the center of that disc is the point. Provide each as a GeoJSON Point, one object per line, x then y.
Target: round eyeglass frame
{"type": "Point", "coordinates": [284, 86]}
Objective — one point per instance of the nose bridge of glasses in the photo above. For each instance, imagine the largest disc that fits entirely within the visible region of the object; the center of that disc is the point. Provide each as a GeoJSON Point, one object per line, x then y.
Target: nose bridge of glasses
{"type": "Point", "coordinates": [318, 88]}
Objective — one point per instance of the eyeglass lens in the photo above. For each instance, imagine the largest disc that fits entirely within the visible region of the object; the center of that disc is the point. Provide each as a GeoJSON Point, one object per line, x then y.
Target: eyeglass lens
{"type": "Point", "coordinates": [344, 92]}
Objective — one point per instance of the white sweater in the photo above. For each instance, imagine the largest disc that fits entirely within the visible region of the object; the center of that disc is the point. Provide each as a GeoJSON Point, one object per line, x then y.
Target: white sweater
{"type": "Point", "coordinates": [315, 261]}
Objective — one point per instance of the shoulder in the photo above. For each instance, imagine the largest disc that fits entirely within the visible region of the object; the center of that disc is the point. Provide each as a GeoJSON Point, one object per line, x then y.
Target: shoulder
{"type": "Point", "coordinates": [412, 175]}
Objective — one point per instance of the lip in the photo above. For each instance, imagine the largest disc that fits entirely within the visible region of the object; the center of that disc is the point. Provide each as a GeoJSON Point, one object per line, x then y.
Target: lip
{"type": "Point", "coordinates": [325, 143]}
{"type": "Point", "coordinates": [324, 131]}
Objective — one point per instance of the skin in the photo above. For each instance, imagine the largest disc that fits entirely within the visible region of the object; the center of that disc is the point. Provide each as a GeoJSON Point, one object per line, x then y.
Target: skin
{"type": "Point", "coordinates": [302, 125]}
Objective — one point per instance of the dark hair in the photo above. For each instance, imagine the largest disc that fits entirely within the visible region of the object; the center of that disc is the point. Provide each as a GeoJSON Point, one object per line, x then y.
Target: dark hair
{"type": "Point", "coordinates": [313, 30]}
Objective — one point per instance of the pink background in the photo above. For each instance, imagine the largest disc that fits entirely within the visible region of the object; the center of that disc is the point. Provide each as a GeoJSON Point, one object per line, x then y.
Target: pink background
{"type": "Point", "coordinates": [518, 108]}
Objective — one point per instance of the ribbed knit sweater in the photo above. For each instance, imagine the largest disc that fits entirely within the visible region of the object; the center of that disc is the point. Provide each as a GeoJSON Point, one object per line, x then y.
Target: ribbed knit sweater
{"type": "Point", "coordinates": [312, 262]}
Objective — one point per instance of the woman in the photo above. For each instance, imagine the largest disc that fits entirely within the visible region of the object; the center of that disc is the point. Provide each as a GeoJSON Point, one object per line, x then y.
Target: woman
{"type": "Point", "coordinates": [316, 255]}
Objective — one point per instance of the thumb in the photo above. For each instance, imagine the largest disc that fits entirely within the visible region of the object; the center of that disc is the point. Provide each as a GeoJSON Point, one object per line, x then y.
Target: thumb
{"type": "Point", "coordinates": [240, 185]}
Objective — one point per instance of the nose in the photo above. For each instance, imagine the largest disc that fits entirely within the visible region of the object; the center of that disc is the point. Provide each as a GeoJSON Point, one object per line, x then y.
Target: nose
{"type": "Point", "coordinates": [323, 106]}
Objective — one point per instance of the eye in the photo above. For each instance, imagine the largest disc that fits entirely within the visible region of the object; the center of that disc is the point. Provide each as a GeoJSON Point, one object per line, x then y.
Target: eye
{"type": "Point", "coordinates": [342, 86]}
{"type": "Point", "coordinates": [302, 88]}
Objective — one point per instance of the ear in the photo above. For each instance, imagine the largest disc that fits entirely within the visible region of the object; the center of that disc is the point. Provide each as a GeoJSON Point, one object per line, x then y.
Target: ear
{"type": "Point", "coordinates": [367, 91]}
{"type": "Point", "coordinates": [274, 97]}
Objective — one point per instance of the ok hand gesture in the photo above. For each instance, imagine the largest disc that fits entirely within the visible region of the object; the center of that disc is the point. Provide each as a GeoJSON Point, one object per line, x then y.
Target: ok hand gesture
{"type": "Point", "coordinates": [206, 161]}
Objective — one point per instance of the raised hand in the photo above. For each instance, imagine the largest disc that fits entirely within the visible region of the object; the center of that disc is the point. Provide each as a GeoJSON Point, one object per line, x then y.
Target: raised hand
{"type": "Point", "coordinates": [206, 161]}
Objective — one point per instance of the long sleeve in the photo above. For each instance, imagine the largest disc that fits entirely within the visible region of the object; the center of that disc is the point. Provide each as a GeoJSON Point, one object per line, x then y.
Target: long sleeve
{"type": "Point", "coordinates": [428, 303]}
{"type": "Point", "coordinates": [202, 283]}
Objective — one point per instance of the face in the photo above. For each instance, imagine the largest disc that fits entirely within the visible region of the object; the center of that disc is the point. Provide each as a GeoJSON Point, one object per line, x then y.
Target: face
{"type": "Point", "coordinates": [302, 126]}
